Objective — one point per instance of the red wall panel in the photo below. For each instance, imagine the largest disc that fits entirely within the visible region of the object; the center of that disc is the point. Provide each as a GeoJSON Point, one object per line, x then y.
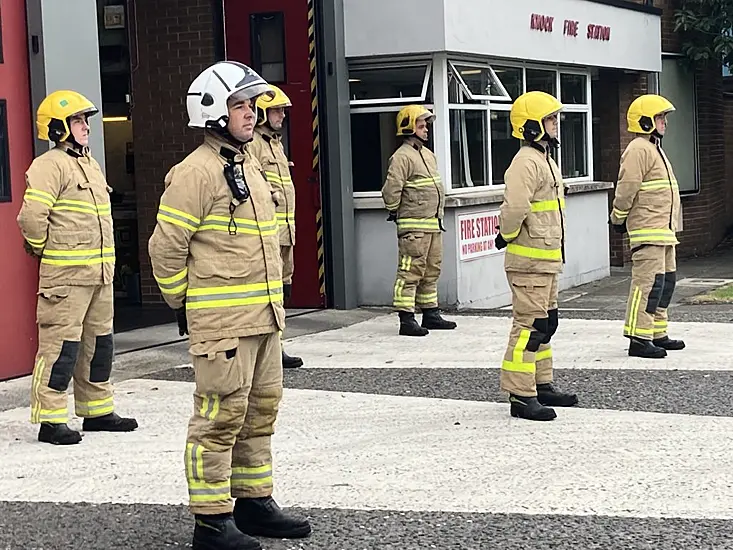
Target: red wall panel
{"type": "Point", "coordinates": [18, 272]}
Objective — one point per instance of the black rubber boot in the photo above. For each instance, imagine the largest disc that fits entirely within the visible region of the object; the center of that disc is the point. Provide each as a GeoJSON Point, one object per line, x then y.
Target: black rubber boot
{"type": "Point", "coordinates": [645, 349]}
{"type": "Point", "coordinates": [58, 434]}
{"type": "Point", "coordinates": [291, 362]}
{"type": "Point", "coordinates": [530, 408]}
{"type": "Point", "coordinates": [221, 533]}
{"type": "Point", "coordinates": [669, 344]}
{"type": "Point", "coordinates": [548, 395]}
{"type": "Point", "coordinates": [262, 517]}
{"type": "Point", "coordinates": [432, 320]}
{"type": "Point", "coordinates": [409, 326]}
{"type": "Point", "coordinates": [109, 423]}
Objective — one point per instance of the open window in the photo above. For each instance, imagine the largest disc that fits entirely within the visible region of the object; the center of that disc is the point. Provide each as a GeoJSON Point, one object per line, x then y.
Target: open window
{"type": "Point", "coordinates": [478, 82]}
{"type": "Point", "coordinates": [5, 195]}
{"type": "Point", "coordinates": [388, 84]}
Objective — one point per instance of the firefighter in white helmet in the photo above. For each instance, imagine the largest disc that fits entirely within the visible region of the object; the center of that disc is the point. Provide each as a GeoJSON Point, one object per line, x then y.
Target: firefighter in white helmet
{"type": "Point", "coordinates": [532, 229]}
{"type": "Point", "coordinates": [267, 147]}
{"type": "Point", "coordinates": [215, 254]}
{"type": "Point", "coordinates": [413, 195]}
{"type": "Point", "coordinates": [647, 205]}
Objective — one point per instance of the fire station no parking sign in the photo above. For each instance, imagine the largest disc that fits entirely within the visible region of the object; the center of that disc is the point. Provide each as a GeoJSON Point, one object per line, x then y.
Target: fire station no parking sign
{"type": "Point", "coordinates": [476, 235]}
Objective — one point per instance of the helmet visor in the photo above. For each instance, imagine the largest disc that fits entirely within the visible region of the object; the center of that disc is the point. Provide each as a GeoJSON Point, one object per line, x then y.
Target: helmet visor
{"type": "Point", "coordinates": [251, 91]}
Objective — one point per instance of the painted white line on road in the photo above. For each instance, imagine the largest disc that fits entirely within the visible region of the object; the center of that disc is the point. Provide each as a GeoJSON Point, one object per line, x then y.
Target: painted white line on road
{"type": "Point", "coordinates": [480, 342]}
{"type": "Point", "coordinates": [361, 451]}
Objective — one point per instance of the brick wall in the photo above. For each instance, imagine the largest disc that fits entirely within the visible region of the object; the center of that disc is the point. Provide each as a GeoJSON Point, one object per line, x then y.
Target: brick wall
{"type": "Point", "coordinates": [175, 42]}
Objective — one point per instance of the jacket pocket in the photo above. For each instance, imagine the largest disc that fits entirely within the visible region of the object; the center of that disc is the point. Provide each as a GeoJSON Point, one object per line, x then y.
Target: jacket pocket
{"type": "Point", "coordinates": [53, 305]}
{"type": "Point", "coordinates": [70, 239]}
{"type": "Point", "coordinates": [411, 244]}
{"type": "Point", "coordinates": [217, 366]}
{"type": "Point", "coordinates": [222, 267]}
{"type": "Point", "coordinates": [550, 235]}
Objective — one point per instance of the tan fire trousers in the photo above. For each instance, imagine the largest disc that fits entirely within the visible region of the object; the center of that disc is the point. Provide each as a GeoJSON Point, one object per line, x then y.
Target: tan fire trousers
{"type": "Point", "coordinates": [286, 254]}
{"type": "Point", "coordinates": [75, 341]}
{"type": "Point", "coordinates": [528, 358]}
{"type": "Point", "coordinates": [418, 271]}
{"type": "Point", "coordinates": [653, 280]}
{"type": "Point", "coordinates": [238, 391]}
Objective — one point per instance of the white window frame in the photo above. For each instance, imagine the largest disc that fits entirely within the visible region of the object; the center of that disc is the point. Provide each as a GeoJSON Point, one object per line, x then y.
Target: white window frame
{"type": "Point", "coordinates": [478, 97]}
{"type": "Point", "coordinates": [428, 64]}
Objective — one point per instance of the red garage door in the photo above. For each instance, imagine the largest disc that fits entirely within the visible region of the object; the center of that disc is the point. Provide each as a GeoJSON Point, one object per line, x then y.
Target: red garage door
{"type": "Point", "coordinates": [18, 272]}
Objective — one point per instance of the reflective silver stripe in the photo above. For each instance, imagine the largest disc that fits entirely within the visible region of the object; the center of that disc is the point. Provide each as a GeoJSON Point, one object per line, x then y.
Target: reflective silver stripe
{"type": "Point", "coordinates": [237, 476]}
{"type": "Point", "coordinates": [194, 462]}
{"type": "Point", "coordinates": [231, 295]}
{"type": "Point", "coordinates": [223, 490]}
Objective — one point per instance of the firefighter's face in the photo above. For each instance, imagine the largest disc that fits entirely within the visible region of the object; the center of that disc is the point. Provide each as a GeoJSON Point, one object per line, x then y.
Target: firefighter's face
{"type": "Point", "coordinates": [550, 123]}
{"type": "Point", "coordinates": [79, 129]}
{"type": "Point", "coordinates": [421, 129]}
{"type": "Point", "coordinates": [276, 117]}
{"type": "Point", "coordinates": [241, 118]}
{"type": "Point", "coordinates": [660, 122]}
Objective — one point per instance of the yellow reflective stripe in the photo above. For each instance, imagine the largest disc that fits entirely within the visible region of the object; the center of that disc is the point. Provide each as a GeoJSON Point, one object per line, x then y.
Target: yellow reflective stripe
{"type": "Point", "coordinates": [536, 253]}
{"type": "Point", "coordinates": [547, 206]}
{"type": "Point", "coordinates": [510, 236]}
{"type": "Point", "coordinates": [661, 324]}
{"type": "Point", "coordinates": [251, 477]}
{"type": "Point", "coordinates": [543, 355]}
{"type": "Point", "coordinates": [83, 207]}
{"type": "Point", "coordinates": [178, 217]}
{"type": "Point", "coordinates": [200, 491]}
{"type": "Point", "coordinates": [621, 214]}
{"type": "Point", "coordinates": [35, 385]}
{"type": "Point", "coordinates": [662, 235]}
{"type": "Point", "coordinates": [53, 416]}
{"type": "Point", "coordinates": [405, 263]}
{"type": "Point", "coordinates": [236, 295]}
{"type": "Point", "coordinates": [244, 225]}
{"type": "Point", "coordinates": [39, 196]}
{"type": "Point", "coordinates": [38, 243]}
{"type": "Point", "coordinates": [78, 257]}
{"type": "Point", "coordinates": [399, 300]}
{"type": "Point", "coordinates": [430, 298]}
{"type": "Point", "coordinates": [418, 223]}
{"type": "Point", "coordinates": [392, 205]}
{"type": "Point", "coordinates": [210, 406]}
{"type": "Point", "coordinates": [173, 284]}
{"type": "Point", "coordinates": [100, 407]}
{"type": "Point", "coordinates": [194, 462]}
{"type": "Point", "coordinates": [652, 185]}
{"type": "Point", "coordinates": [517, 363]}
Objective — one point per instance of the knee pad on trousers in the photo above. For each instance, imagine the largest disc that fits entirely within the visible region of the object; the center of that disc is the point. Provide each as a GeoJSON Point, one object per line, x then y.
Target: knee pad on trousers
{"type": "Point", "coordinates": [63, 369]}
{"type": "Point", "coordinates": [553, 323]}
{"type": "Point", "coordinates": [538, 336]}
{"type": "Point", "coordinates": [264, 405]}
{"type": "Point", "coordinates": [670, 281]}
{"type": "Point", "coordinates": [101, 365]}
{"type": "Point", "coordinates": [655, 294]}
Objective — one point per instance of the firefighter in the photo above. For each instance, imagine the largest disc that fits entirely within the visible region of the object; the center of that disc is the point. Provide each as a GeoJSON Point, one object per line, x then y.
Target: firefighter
{"type": "Point", "coordinates": [646, 205]}
{"type": "Point", "coordinates": [413, 195]}
{"type": "Point", "coordinates": [267, 148]}
{"type": "Point", "coordinates": [215, 254]}
{"type": "Point", "coordinates": [66, 222]}
{"type": "Point", "coordinates": [532, 229]}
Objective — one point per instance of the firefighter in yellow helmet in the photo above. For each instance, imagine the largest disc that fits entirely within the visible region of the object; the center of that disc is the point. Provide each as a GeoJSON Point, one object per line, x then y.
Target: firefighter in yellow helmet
{"type": "Point", "coordinates": [532, 229]}
{"type": "Point", "coordinates": [66, 221]}
{"type": "Point", "coordinates": [267, 147]}
{"type": "Point", "coordinates": [215, 253]}
{"type": "Point", "coordinates": [647, 206]}
{"type": "Point", "coordinates": [415, 199]}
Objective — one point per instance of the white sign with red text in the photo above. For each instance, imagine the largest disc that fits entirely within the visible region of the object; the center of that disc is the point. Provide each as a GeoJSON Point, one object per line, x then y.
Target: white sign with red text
{"type": "Point", "coordinates": [476, 235]}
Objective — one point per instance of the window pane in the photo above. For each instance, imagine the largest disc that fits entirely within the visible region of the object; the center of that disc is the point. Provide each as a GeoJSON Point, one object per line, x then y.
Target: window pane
{"type": "Point", "coordinates": [268, 45]}
{"type": "Point", "coordinates": [511, 78]}
{"type": "Point", "coordinates": [373, 141]}
{"type": "Point", "coordinates": [503, 145]}
{"type": "Point", "coordinates": [386, 83]}
{"type": "Point", "coordinates": [543, 81]}
{"type": "Point", "coordinates": [574, 144]}
{"type": "Point", "coordinates": [479, 80]}
{"type": "Point", "coordinates": [469, 159]}
{"type": "Point", "coordinates": [4, 154]}
{"type": "Point", "coordinates": [573, 89]}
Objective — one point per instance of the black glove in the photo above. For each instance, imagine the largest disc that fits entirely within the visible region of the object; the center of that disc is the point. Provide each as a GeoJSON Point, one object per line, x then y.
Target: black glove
{"type": "Point", "coordinates": [287, 291]}
{"type": "Point", "coordinates": [181, 319]}
{"type": "Point", "coordinates": [620, 227]}
{"type": "Point", "coordinates": [392, 217]}
{"type": "Point", "coordinates": [29, 249]}
{"type": "Point", "coordinates": [499, 242]}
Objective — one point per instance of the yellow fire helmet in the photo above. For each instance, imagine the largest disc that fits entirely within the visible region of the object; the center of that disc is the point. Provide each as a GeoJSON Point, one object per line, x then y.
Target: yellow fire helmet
{"type": "Point", "coordinates": [264, 102]}
{"type": "Point", "coordinates": [642, 111]}
{"type": "Point", "coordinates": [54, 112]}
{"type": "Point", "coordinates": [527, 114]}
{"type": "Point", "coordinates": [408, 117]}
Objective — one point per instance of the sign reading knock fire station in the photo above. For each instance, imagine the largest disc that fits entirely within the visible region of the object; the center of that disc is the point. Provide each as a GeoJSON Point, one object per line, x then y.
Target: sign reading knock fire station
{"type": "Point", "coordinates": [570, 27]}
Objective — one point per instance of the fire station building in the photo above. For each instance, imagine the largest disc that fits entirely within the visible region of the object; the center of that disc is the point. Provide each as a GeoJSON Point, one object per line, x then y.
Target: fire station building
{"type": "Point", "coordinates": [349, 66]}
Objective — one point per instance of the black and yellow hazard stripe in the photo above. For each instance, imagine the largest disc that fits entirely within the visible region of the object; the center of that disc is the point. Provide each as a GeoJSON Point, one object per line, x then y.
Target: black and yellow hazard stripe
{"type": "Point", "coordinates": [316, 144]}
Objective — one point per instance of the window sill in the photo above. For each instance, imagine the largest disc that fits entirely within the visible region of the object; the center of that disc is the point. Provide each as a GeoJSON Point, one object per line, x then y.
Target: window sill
{"type": "Point", "coordinates": [484, 196]}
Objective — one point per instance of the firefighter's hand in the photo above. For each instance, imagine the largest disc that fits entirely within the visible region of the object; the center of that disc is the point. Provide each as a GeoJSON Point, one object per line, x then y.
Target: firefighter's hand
{"type": "Point", "coordinates": [277, 197]}
{"type": "Point", "coordinates": [499, 242]}
{"type": "Point", "coordinates": [619, 227]}
{"type": "Point", "coordinates": [29, 249]}
{"type": "Point", "coordinates": [181, 319]}
{"type": "Point", "coordinates": [392, 217]}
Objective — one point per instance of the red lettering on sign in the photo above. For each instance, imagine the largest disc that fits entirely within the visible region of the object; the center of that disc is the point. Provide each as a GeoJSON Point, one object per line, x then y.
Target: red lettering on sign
{"type": "Point", "coordinates": [599, 32]}
{"type": "Point", "coordinates": [539, 22]}
{"type": "Point", "coordinates": [570, 28]}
